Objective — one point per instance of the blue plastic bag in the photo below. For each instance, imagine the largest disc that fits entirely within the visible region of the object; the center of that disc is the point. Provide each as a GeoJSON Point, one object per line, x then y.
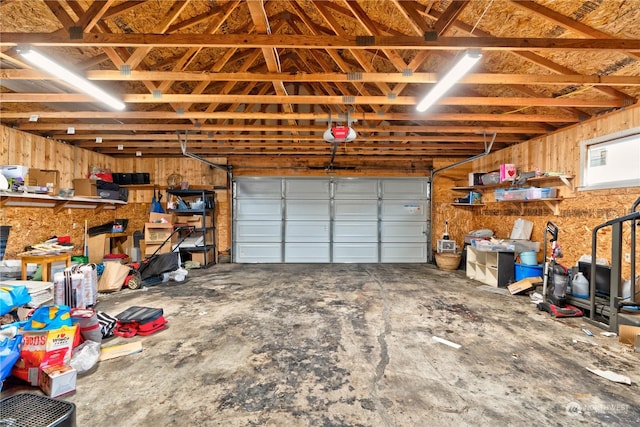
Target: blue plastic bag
{"type": "Point", "coordinates": [9, 354]}
{"type": "Point", "coordinates": [12, 297]}
{"type": "Point", "coordinates": [49, 317]}
{"type": "Point", "coordinates": [156, 206]}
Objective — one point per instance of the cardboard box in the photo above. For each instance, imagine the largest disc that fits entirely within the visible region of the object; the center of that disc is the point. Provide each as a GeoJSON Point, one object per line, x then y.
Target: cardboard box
{"type": "Point", "coordinates": [199, 256]}
{"type": "Point", "coordinates": [44, 347]}
{"type": "Point", "coordinates": [169, 218]}
{"type": "Point", "coordinates": [150, 249]}
{"type": "Point", "coordinates": [630, 335]}
{"type": "Point", "coordinates": [85, 187]}
{"type": "Point", "coordinates": [157, 232]}
{"type": "Point", "coordinates": [524, 285]}
{"type": "Point", "coordinates": [58, 380]}
{"type": "Point", "coordinates": [197, 221]}
{"type": "Point", "coordinates": [508, 172]}
{"type": "Point", "coordinates": [49, 178]}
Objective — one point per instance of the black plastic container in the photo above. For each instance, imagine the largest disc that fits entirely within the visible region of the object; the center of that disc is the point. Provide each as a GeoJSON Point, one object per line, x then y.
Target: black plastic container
{"type": "Point", "coordinates": [33, 410]}
{"type": "Point", "coordinates": [4, 237]}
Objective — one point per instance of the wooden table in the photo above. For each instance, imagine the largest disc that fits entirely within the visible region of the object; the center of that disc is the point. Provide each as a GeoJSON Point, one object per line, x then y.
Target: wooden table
{"type": "Point", "coordinates": [45, 261]}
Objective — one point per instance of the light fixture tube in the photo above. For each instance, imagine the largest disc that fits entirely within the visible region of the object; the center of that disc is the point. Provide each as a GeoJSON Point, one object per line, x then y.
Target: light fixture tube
{"type": "Point", "coordinates": [461, 68]}
{"type": "Point", "coordinates": [55, 69]}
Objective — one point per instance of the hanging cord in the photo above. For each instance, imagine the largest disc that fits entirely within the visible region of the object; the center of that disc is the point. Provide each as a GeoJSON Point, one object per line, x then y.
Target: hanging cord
{"type": "Point", "coordinates": [481, 16]}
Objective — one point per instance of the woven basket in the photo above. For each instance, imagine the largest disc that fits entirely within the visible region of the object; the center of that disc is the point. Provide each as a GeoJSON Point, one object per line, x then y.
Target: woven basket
{"type": "Point", "coordinates": [448, 260]}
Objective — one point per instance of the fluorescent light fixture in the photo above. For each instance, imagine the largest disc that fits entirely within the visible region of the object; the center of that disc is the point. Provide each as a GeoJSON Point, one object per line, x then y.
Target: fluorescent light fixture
{"type": "Point", "coordinates": [461, 68]}
{"type": "Point", "coordinates": [49, 66]}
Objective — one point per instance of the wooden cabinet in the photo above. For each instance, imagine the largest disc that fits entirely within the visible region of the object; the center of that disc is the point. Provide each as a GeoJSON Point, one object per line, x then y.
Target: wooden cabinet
{"type": "Point", "coordinates": [492, 268]}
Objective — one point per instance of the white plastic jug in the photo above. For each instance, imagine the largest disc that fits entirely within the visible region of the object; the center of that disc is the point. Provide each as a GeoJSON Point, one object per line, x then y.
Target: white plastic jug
{"type": "Point", "coordinates": [580, 286]}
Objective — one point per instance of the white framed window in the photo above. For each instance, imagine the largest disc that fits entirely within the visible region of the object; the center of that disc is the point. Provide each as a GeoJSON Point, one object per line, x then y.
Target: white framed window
{"type": "Point", "coordinates": [611, 161]}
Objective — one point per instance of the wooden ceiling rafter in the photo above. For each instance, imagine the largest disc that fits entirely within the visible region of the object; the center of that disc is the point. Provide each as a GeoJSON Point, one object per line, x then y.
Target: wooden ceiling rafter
{"type": "Point", "coordinates": [565, 22]}
{"type": "Point", "coordinates": [535, 58]}
{"type": "Point", "coordinates": [242, 98]}
{"type": "Point", "coordinates": [303, 41]}
{"type": "Point", "coordinates": [239, 89]}
{"type": "Point", "coordinates": [330, 76]}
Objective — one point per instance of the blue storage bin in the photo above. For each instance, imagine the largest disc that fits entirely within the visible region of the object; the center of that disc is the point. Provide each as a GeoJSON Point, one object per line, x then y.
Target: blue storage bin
{"type": "Point", "coordinates": [524, 271]}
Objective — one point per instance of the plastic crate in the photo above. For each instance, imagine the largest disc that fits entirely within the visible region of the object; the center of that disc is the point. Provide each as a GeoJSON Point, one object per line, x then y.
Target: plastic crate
{"type": "Point", "coordinates": [518, 194]}
{"type": "Point", "coordinates": [32, 410]}
{"type": "Point", "coordinates": [541, 193]}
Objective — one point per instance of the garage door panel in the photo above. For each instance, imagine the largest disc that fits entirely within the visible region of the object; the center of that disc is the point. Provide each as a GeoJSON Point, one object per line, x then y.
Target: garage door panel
{"type": "Point", "coordinates": [403, 231]}
{"type": "Point", "coordinates": [258, 252]}
{"type": "Point", "coordinates": [307, 252]}
{"type": "Point", "coordinates": [307, 189]}
{"type": "Point", "coordinates": [258, 231]}
{"type": "Point", "coordinates": [404, 188]}
{"type": "Point", "coordinates": [307, 231]}
{"type": "Point", "coordinates": [403, 252]}
{"type": "Point", "coordinates": [308, 210]}
{"type": "Point", "coordinates": [259, 188]}
{"type": "Point", "coordinates": [406, 210]}
{"type": "Point", "coordinates": [355, 210]}
{"type": "Point", "coordinates": [259, 209]}
{"type": "Point", "coordinates": [356, 189]}
{"type": "Point", "coordinates": [332, 219]}
{"type": "Point", "coordinates": [355, 252]}
{"type": "Point", "coordinates": [349, 231]}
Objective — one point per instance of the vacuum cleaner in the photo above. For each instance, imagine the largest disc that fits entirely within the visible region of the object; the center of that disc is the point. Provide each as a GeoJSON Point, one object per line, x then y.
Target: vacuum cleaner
{"type": "Point", "coordinates": [556, 277]}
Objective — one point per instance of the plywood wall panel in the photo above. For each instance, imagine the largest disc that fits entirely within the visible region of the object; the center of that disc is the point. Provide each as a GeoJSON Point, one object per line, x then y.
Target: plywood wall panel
{"type": "Point", "coordinates": [580, 211]}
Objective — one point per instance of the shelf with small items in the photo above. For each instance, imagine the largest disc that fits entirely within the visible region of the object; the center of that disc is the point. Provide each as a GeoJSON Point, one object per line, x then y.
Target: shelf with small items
{"type": "Point", "coordinates": [468, 205]}
{"type": "Point", "coordinates": [565, 180]}
{"type": "Point", "coordinates": [58, 203]}
{"type": "Point", "coordinates": [551, 202]}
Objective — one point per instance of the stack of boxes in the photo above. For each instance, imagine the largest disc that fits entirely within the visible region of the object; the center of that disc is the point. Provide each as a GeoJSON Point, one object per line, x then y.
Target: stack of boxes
{"type": "Point", "coordinates": [157, 231]}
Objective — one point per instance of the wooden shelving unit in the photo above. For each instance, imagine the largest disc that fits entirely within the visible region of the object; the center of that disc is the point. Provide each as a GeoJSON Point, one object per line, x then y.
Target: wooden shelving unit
{"type": "Point", "coordinates": [551, 203]}
{"type": "Point", "coordinates": [31, 200]}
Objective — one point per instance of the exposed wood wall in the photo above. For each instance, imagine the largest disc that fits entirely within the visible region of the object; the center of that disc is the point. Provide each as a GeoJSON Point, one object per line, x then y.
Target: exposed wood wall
{"type": "Point", "coordinates": [579, 212]}
{"type": "Point", "coordinates": [33, 225]}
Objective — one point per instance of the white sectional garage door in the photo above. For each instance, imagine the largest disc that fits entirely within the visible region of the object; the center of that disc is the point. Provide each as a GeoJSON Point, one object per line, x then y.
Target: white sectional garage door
{"type": "Point", "coordinates": [322, 220]}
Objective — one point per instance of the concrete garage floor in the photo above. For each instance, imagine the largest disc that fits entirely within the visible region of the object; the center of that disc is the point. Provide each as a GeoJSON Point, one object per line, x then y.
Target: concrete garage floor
{"type": "Point", "coordinates": [352, 345]}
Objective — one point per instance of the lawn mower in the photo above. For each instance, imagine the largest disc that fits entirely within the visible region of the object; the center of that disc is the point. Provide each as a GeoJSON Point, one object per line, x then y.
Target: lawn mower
{"type": "Point", "coordinates": [150, 270]}
{"type": "Point", "coordinates": [556, 277]}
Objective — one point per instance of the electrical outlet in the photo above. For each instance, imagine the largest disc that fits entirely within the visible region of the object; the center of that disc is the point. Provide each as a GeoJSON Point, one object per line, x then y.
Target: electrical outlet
{"type": "Point", "coordinates": [627, 257]}
{"type": "Point", "coordinates": [74, 226]}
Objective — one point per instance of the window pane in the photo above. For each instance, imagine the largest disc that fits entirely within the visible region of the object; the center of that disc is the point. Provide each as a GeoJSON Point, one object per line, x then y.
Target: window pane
{"type": "Point", "coordinates": [612, 162]}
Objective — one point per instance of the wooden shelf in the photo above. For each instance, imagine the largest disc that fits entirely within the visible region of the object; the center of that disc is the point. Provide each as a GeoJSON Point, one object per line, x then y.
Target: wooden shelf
{"type": "Point", "coordinates": [57, 203]}
{"type": "Point", "coordinates": [555, 179]}
{"type": "Point", "coordinates": [550, 203]}
{"type": "Point", "coordinates": [468, 205]}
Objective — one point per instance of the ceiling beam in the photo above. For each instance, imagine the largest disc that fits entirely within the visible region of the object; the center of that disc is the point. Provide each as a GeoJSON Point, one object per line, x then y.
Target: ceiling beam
{"type": "Point", "coordinates": [213, 76]}
{"type": "Point", "coordinates": [217, 115]}
{"type": "Point", "coordinates": [301, 41]}
{"type": "Point", "coordinates": [314, 99]}
{"type": "Point", "coordinates": [172, 128]}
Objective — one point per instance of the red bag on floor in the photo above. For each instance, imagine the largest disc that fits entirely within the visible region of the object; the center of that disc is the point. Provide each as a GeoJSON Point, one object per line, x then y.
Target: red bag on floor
{"type": "Point", "coordinates": [139, 321]}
